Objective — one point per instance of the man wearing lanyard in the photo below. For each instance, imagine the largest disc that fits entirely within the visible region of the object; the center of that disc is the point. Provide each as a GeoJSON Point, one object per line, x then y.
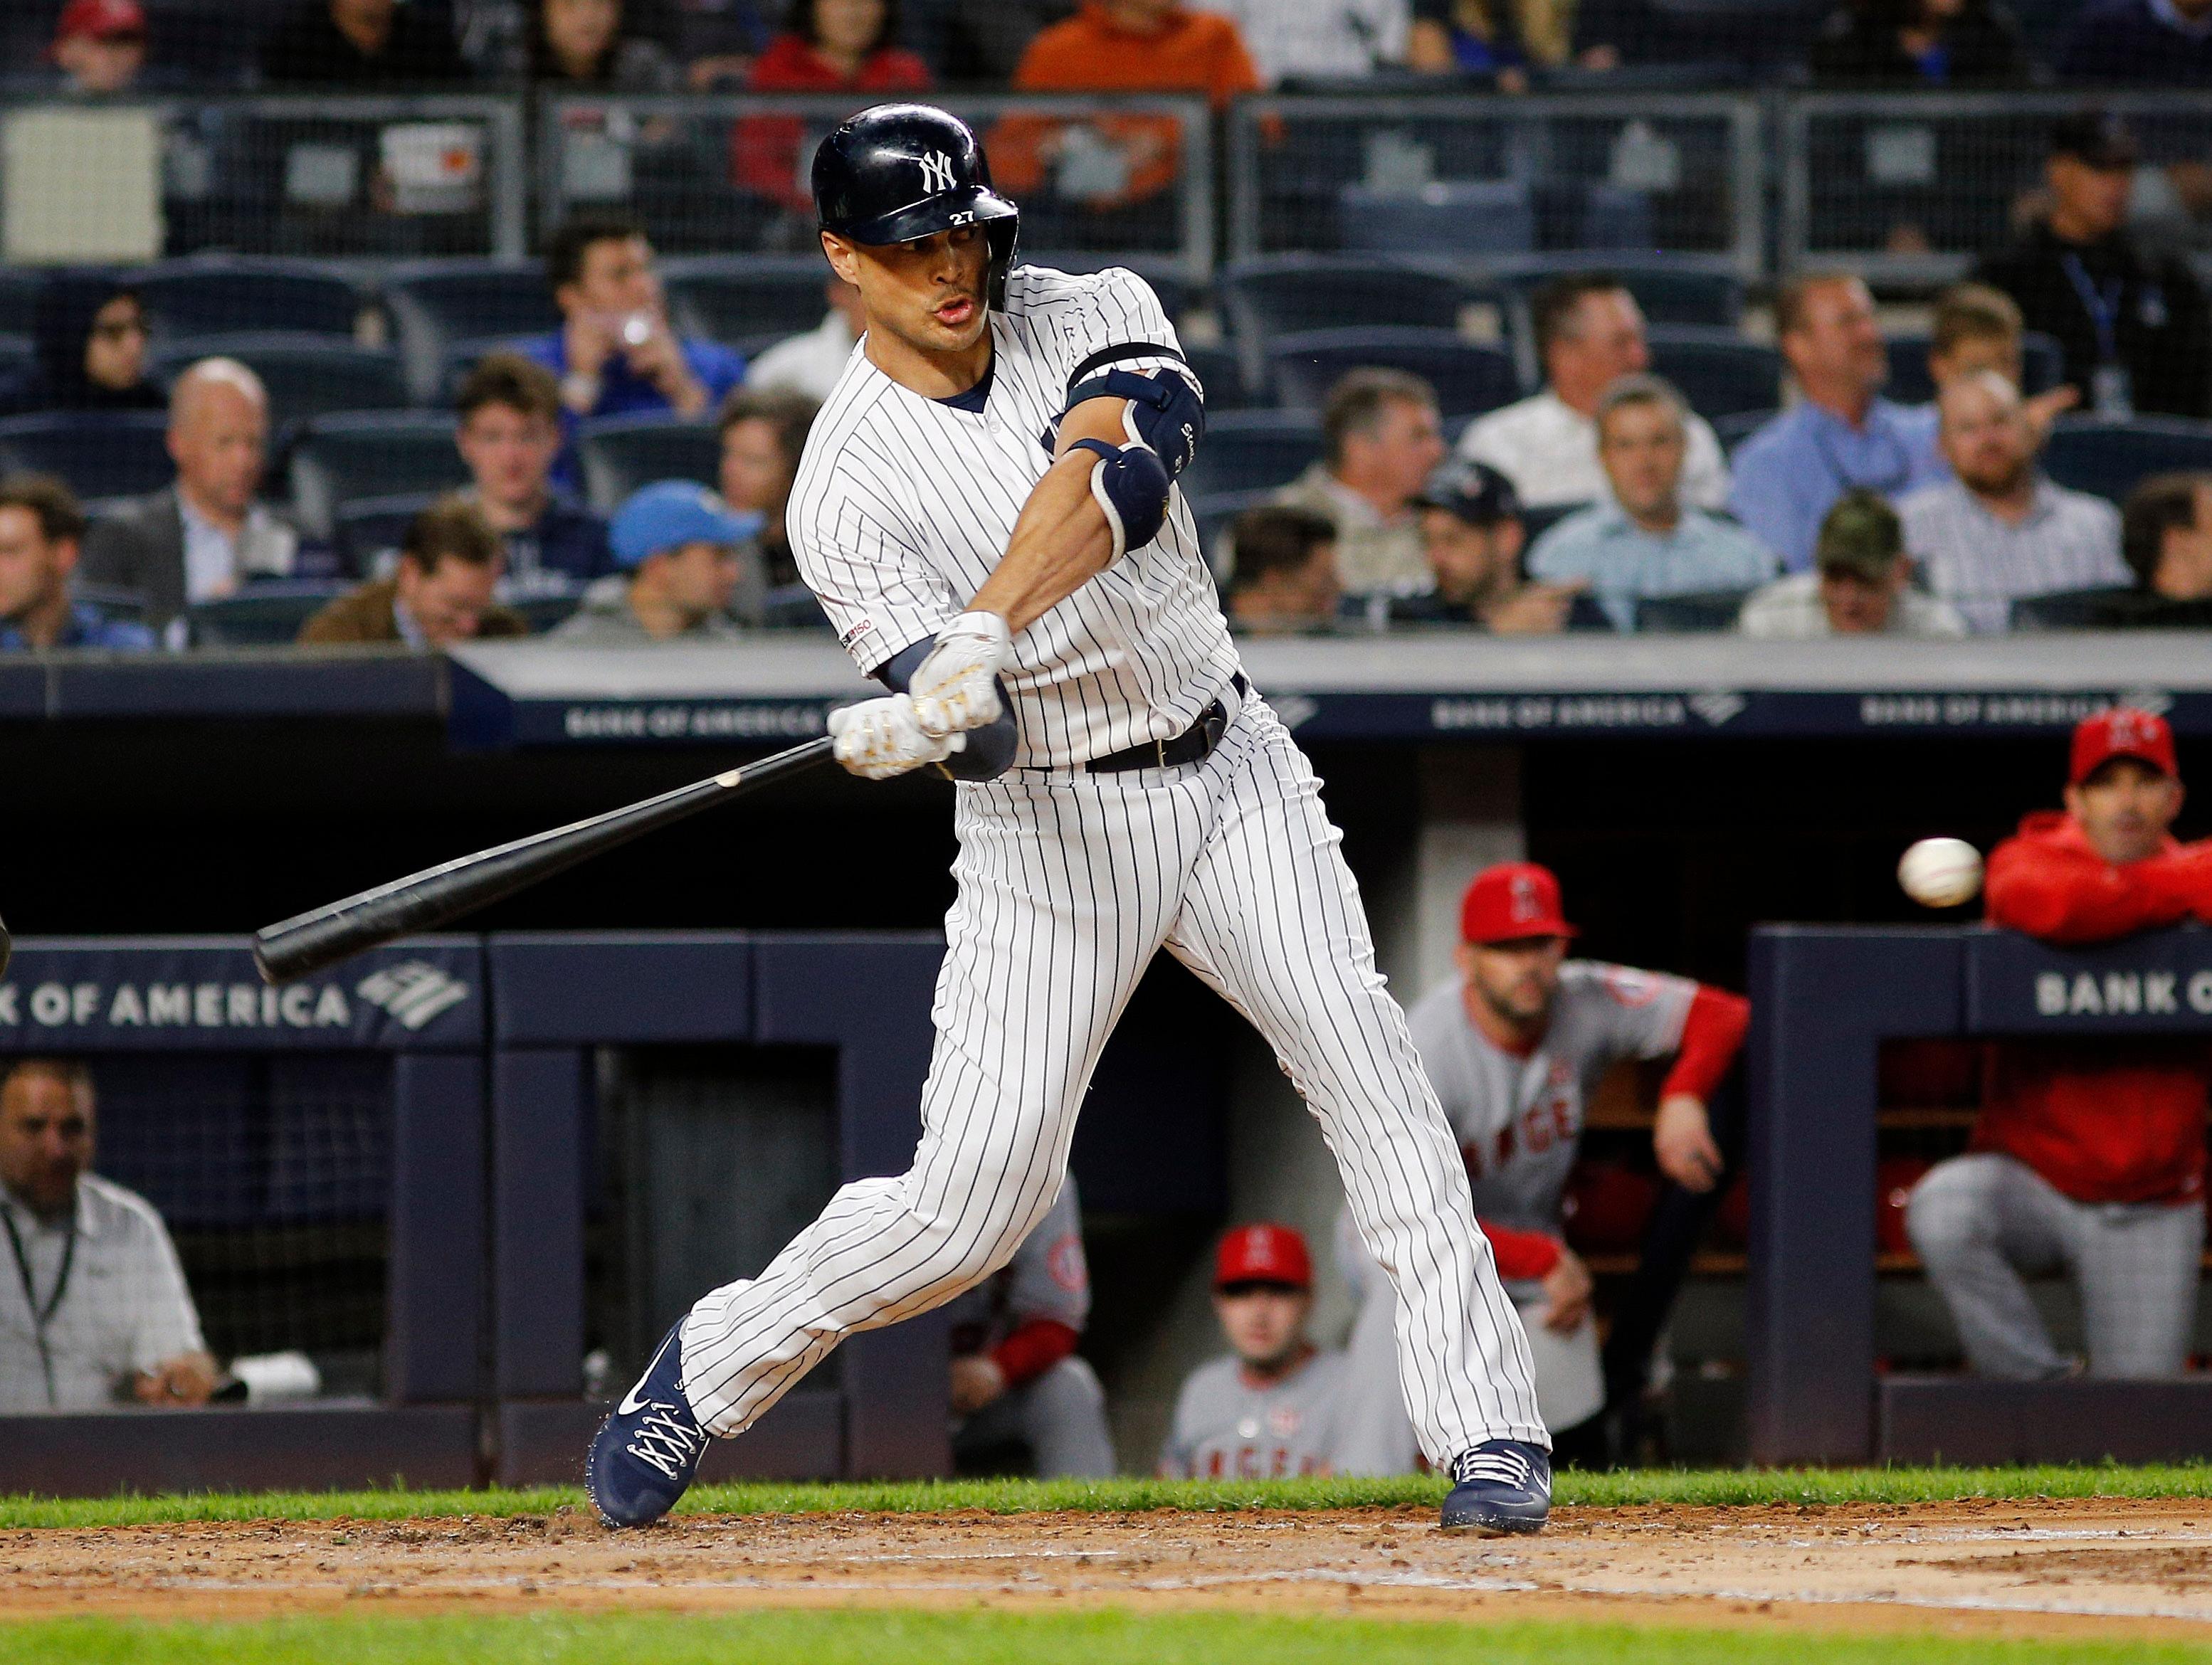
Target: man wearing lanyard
{"type": "Point", "coordinates": [93, 1301]}
{"type": "Point", "coordinates": [1841, 435]}
{"type": "Point", "coordinates": [2133, 323]}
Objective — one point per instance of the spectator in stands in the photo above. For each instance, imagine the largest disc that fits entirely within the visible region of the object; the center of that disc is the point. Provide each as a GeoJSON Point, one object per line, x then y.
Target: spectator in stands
{"type": "Point", "coordinates": [365, 44]}
{"type": "Point", "coordinates": [1998, 529]}
{"type": "Point", "coordinates": [205, 536]}
{"type": "Point", "coordinates": [1472, 536]}
{"type": "Point", "coordinates": [2162, 43]}
{"type": "Point", "coordinates": [1488, 39]}
{"type": "Point", "coordinates": [440, 592]}
{"type": "Point", "coordinates": [1016, 1378]}
{"type": "Point", "coordinates": [1274, 1406]}
{"type": "Point", "coordinates": [979, 42]}
{"type": "Point", "coordinates": [683, 555]}
{"type": "Point", "coordinates": [1380, 439]}
{"type": "Point", "coordinates": [1117, 162]}
{"type": "Point", "coordinates": [2088, 1156]}
{"type": "Point", "coordinates": [573, 45]}
{"type": "Point", "coordinates": [89, 345]}
{"type": "Point", "coordinates": [2165, 536]}
{"type": "Point", "coordinates": [1644, 541]}
{"type": "Point", "coordinates": [1295, 41]}
{"type": "Point", "coordinates": [1841, 434]}
{"type": "Point", "coordinates": [1919, 43]}
{"type": "Point", "coordinates": [1285, 582]}
{"type": "Point", "coordinates": [1860, 584]}
{"type": "Point", "coordinates": [718, 41]}
{"type": "Point", "coordinates": [764, 435]}
{"type": "Point", "coordinates": [812, 361]}
{"type": "Point", "coordinates": [615, 353]}
{"type": "Point", "coordinates": [1589, 333]}
{"type": "Point", "coordinates": [2133, 322]}
{"type": "Point", "coordinates": [99, 46]}
{"type": "Point", "coordinates": [509, 434]}
{"type": "Point", "coordinates": [826, 47]}
{"type": "Point", "coordinates": [1516, 1043]}
{"type": "Point", "coordinates": [98, 1309]}
{"type": "Point", "coordinates": [41, 529]}
{"type": "Point", "coordinates": [1976, 327]}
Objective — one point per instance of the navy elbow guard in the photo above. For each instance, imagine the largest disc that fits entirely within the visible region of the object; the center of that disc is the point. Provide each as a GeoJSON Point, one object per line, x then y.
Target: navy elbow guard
{"type": "Point", "coordinates": [1165, 410]}
{"type": "Point", "coordinates": [1132, 485]}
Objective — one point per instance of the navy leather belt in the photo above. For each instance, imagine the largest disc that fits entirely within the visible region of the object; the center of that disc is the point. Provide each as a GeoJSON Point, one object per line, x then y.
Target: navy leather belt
{"type": "Point", "coordinates": [1194, 746]}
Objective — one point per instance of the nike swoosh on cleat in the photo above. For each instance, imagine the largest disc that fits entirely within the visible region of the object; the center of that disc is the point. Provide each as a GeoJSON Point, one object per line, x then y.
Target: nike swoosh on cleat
{"type": "Point", "coordinates": [632, 1404]}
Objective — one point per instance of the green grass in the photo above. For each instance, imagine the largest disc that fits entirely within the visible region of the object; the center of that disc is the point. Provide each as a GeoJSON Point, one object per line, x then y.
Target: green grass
{"type": "Point", "coordinates": [1110, 1638]}
{"type": "Point", "coordinates": [1690, 1487]}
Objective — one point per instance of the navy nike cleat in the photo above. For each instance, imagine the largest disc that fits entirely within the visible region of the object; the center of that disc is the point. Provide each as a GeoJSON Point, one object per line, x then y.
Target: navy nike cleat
{"type": "Point", "coordinates": [646, 1453]}
{"type": "Point", "coordinates": [1500, 1485]}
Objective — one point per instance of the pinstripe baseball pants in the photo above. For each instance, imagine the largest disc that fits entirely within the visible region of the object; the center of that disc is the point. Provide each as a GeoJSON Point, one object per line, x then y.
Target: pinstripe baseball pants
{"type": "Point", "coordinates": [1068, 884]}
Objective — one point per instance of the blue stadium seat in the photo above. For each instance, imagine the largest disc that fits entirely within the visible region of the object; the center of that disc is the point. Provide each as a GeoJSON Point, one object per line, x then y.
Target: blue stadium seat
{"type": "Point", "coordinates": [460, 356]}
{"type": "Point", "coordinates": [747, 301]}
{"type": "Point", "coordinates": [1469, 377]}
{"type": "Point", "coordinates": [229, 294]}
{"type": "Point", "coordinates": [2108, 457]}
{"type": "Point", "coordinates": [262, 615]}
{"type": "Point", "coordinates": [1666, 291]}
{"type": "Point", "coordinates": [17, 352]}
{"type": "Point", "coordinates": [1703, 611]}
{"type": "Point", "coordinates": [99, 454]}
{"type": "Point", "coordinates": [1734, 429]}
{"type": "Point", "coordinates": [1455, 216]}
{"type": "Point", "coordinates": [1213, 514]}
{"type": "Point", "coordinates": [439, 303]}
{"type": "Point", "coordinates": [1718, 370]}
{"type": "Point", "coordinates": [306, 375]}
{"type": "Point", "coordinates": [1535, 522]}
{"type": "Point", "coordinates": [1252, 451]}
{"type": "Point", "coordinates": [621, 453]}
{"type": "Point", "coordinates": [1221, 374]}
{"type": "Point", "coordinates": [341, 459]}
{"type": "Point", "coordinates": [1290, 294]}
{"type": "Point", "coordinates": [366, 528]}
{"type": "Point", "coordinates": [19, 300]}
{"type": "Point", "coordinates": [2042, 365]}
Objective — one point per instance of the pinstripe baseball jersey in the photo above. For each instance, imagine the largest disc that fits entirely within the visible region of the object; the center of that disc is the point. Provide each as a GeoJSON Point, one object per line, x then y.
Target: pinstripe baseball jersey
{"type": "Point", "coordinates": [1224, 1428]}
{"type": "Point", "coordinates": [903, 506]}
{"type": "Point", "coordinates": [1519, 1120]}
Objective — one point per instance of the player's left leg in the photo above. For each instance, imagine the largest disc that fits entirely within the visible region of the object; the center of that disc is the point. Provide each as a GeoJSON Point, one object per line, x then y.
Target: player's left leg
{"type": "Point", "coordinates": [2137, 1264]}
{"type": "Point", "coordinates": [1273, 918]}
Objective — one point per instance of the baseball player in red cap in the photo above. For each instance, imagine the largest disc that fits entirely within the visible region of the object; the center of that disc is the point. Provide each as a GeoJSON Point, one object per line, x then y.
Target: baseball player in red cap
{"type": "Point", "coordinates": [1274, 1406]}
{"type": "Point", "coordinates": [2087, 1155]}
{"type": "Point", "coordinates": [100, 45]}
{"type": "Point", "coordinates": [1516, 1044]}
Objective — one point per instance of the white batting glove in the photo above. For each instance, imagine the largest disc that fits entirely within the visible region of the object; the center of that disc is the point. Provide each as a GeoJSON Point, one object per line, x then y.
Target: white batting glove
{"type": "Point", "coordinates": [879, 738]}
{"type": "Point", "coordinates": [956, 688]}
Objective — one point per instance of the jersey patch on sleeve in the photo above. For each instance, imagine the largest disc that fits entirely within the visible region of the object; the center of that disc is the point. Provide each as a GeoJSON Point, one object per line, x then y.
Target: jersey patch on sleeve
{"type": "Point", "coordinates": [859, 630]}
{"type": "Point", "coordinates": [1629, 987]}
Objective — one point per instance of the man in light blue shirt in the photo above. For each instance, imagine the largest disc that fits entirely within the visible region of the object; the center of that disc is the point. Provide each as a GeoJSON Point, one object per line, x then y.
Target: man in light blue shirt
{"type": "Point", "coordinates": [1841, 435]}
{"type": "Point", "coordinates": [1646, 541]}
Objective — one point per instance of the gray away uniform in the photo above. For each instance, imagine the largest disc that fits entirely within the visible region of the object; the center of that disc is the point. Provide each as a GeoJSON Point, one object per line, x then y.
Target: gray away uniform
{"type": "Point", "coordinates": [1226, 1429]}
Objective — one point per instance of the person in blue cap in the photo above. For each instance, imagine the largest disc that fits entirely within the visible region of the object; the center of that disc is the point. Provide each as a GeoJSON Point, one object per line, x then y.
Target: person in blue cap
{"type": "Point", "coordinates": [684, 554]}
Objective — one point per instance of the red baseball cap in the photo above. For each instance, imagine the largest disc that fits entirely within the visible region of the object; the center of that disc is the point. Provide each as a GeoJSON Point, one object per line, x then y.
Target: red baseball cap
{"type": "Point", "coordinates": [1512, 900]}
{"type": "Point", "coordinates": [101, 19]}
{"type": "Point", "coordinates": [2122, 732]}
{"type": "Point", "coordinates": [1263, 1254]}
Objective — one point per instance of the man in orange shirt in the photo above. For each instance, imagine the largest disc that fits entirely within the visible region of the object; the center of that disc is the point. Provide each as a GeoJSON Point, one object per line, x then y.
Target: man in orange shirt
{"type": "Point", "coordinates": [1124, 46]}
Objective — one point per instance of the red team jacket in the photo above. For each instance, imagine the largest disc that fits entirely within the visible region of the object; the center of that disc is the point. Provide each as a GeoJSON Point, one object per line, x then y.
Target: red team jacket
{"type": "Point", "coordinates": [2102, 1121]}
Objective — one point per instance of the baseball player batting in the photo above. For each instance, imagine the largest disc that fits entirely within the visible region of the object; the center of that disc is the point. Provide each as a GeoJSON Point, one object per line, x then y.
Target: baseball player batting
{"type": "Point", "coordinates": [986, 508]}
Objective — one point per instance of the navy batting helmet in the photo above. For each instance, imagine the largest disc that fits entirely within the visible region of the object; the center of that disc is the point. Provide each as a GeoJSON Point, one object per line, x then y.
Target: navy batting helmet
{"type": "Point", "coordinates": [901, 171]}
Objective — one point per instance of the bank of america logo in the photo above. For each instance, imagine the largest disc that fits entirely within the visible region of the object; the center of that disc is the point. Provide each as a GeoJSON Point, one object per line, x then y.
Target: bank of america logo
{"type": "Point", "coordinates": [413, 992]}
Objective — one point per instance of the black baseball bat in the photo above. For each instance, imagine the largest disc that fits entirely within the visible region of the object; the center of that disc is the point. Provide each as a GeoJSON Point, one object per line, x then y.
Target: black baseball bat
{"type": "Point", "coordinates": [422, 901]}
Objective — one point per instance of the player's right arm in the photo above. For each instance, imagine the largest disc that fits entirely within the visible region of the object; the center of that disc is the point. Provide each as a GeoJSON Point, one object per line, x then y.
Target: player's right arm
{"type": "Point", "coordinates": [2060, 890]}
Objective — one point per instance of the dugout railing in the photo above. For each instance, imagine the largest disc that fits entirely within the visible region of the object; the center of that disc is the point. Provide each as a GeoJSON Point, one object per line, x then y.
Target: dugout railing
{"type": "Point", "coordinates": [1824, 999]}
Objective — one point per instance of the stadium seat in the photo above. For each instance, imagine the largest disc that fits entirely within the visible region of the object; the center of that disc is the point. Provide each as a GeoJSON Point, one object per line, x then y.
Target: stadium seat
{"type": "Point", "coordinates": [1704, 610]}
{"type": "Point", "coordinates": [366, 528]}
{"type": "Point", "coordinates": [2043, 363]}
{"type": "Point", "coordinates": [18, 301]}
{"type": "Point", "coordinates": [259, 615]}
{"type": "Point", "coordinates": [621, 453]}
{"type": "Point", "coordinates": [749, 301]}
{"type": "Point", "coordinates": [1213, 514]}
{"type": "Point", "coordinates": [2114, 609]}
{"type": "Point", "coordinates": [458, 356]}
{"type": "Point", "coordinates": [435, 304]}
{"type": "Point", "coordinates": [1469, 377]}
{"type": "Point", "coordinates": [306, 375]}
{"type": "Point", "coordinates": [1221, 374]}
{"type": "Point", "coordinates": [1720, 373]}
{"type": "Point", "coordinates": [1251, 451]}
{"type": "Point", "coordinates": [99, 454]}
{"type": "Point", "coordinates": [2107, 457]}
{"type": "Point", "coordinates": [1732, 430]}
{"type": "Point", "coordinates": [17, 352]}
{"type": "Point", "coordinates": [1455, 216]}
{"type": "Point", "coordinates": [1535, 522]}
{"type": "Point", "coordinates": [1291, 294]}
{"type": "Point", "coordinates": [341, 459]}
{"type": "Point", "coordinates": [229, 294]}
{"type": "Point", "coordinates": [1666, 291]}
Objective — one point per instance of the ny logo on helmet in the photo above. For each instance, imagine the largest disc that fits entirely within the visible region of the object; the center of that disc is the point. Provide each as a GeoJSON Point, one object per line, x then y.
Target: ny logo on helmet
{"type": "Point", "coordinates": [937, 172]}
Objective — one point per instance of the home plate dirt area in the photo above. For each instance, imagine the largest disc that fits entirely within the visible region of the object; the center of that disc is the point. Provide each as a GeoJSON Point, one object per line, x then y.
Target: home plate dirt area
{"type": "Point", "coordinates": [2018, 1567]}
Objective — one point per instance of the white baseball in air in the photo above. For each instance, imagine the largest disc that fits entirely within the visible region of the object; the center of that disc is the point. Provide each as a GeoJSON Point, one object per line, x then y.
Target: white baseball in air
{"type": "Point", "coordinates": [1940, 872]}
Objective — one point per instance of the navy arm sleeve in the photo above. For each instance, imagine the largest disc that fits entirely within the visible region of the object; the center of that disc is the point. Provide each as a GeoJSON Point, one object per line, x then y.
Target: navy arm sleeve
{"type": "Point", "coordinates": [990, 750]}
